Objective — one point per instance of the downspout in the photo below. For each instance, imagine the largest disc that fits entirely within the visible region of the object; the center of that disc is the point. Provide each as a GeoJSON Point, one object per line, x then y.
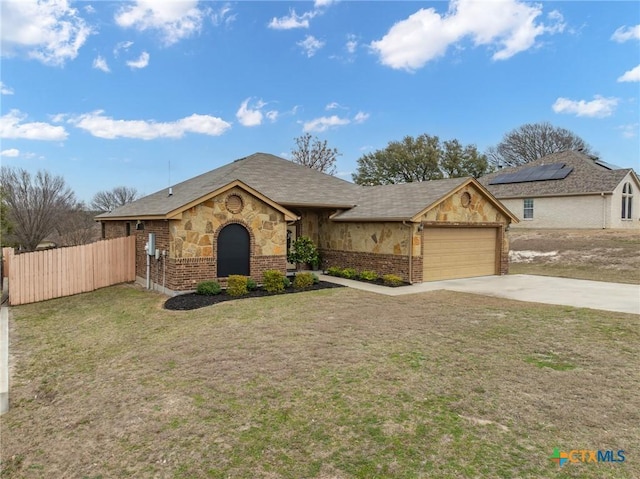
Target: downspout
{"type": "Point", "coordinates": [604, 211]}
{"type": "Point", "coordinates": [410, 251]}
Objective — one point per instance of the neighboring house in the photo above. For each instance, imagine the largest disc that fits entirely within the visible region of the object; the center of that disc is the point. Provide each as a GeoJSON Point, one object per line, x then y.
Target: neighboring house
{"type": "Point", "coordinates": [568, 190]}
{"type": "Point", "coordinates": [241, 218]}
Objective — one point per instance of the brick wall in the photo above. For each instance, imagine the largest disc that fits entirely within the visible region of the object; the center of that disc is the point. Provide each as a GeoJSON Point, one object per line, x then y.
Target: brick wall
{"type": "Point", "coordinates": [184, 274]}
{"type": "Point", "coordinates": [380, 263]}
{"type": "Point", "coordinates": [115, 229]}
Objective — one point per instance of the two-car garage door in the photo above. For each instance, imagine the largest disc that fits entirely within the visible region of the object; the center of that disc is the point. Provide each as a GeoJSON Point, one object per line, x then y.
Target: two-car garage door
{"type": "Point", "coordinates": [458, 252]}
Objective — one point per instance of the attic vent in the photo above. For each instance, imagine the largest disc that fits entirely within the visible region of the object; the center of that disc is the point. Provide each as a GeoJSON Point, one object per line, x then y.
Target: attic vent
{"type": "Point", "coordinates": [234, 204]}
{"type": "Point", "coordinates": [465, 199]}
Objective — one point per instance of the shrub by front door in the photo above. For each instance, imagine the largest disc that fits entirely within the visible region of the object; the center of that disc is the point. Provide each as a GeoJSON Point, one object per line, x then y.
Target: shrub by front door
{"type": "Point", "coordinates": [233, 250]}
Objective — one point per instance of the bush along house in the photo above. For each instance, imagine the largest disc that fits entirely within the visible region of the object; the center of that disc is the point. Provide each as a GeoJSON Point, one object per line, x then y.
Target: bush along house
{"type": "Point", "coordinates": [242, 218]}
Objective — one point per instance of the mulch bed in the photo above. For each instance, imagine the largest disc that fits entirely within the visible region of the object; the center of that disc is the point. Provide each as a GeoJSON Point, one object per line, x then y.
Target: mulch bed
{"type": "Point", "coordinates": [185, 302]}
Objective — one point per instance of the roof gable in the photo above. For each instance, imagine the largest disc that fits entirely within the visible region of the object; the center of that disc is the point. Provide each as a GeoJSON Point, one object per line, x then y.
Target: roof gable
{"type": "Point", "coordinates": [586, 176]}
{"type": "Point", "coordinates": [410, 201]}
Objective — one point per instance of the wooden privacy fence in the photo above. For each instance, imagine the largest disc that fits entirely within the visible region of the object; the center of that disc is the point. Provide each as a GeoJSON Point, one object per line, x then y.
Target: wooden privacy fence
{"type": "Point", "coordinates": [61, 272]}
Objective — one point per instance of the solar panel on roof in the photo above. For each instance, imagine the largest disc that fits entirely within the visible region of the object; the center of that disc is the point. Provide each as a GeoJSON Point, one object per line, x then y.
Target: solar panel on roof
{"type": "Point", "coordinates": [606, 165]}
{"type": "Point", "coordinates": [553, 171]}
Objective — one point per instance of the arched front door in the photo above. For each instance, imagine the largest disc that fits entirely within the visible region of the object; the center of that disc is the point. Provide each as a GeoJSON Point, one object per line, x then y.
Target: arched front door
{"type": "Point", "coordinates": [233, 250]}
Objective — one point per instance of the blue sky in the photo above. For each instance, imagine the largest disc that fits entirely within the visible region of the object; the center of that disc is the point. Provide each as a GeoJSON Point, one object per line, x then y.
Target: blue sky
{"type": "Point", "coordinates": [148, 93]}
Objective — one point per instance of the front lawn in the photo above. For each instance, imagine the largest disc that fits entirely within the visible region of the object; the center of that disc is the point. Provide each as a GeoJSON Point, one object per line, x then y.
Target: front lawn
{"type": "Point", "coordinates": [337, 383]}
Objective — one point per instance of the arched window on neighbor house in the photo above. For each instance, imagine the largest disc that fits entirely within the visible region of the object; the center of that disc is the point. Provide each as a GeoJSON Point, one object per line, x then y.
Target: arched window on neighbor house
{"type": "Point", "coordinates": [627, 200]}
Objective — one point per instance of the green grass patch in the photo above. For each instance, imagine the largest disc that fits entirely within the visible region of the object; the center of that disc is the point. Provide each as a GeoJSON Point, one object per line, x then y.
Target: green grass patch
{"type": "Point", "coordinates": [329, 384]}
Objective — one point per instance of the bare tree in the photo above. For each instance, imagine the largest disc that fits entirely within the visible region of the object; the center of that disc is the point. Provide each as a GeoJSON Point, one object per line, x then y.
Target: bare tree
{"type": "Point", "coordinates": [5, 225]}
{"type": "Point", "coordinates": [532, 141]}
{"type": "Point", "coordinates": [35, 204]}
{"type": "Point", "coordinates": [77, 227]}
{"type": "Point", "coordinates": [315, 154]}
{"type": "Point", "coordinates": [110, 200]}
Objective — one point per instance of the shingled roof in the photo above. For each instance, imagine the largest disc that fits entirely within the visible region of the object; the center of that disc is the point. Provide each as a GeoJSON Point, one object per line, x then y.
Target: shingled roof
{"type": "Point", "coordinates": [399, 202]}
{"type": "Point", "coordinates": [280, 180]}
{"type": "Point", "coordinates": [291, 185]}
{"type": "Point", "coordinates": [587, 177]}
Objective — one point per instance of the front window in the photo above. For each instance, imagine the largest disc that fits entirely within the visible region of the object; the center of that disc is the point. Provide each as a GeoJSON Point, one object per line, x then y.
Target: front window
{"type": "Point", "coordinates": [627, 198]}
{"type": "Point", "coordinates": [528, 209]}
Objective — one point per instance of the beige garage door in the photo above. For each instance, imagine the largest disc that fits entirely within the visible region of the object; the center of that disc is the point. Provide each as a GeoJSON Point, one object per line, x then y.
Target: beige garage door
{"type": "Point", "coordinates": [459, 252]}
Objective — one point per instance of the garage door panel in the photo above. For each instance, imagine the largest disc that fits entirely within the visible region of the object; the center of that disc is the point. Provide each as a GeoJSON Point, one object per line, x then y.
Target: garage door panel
{"type": "Point", "coordinates": [459, 253]}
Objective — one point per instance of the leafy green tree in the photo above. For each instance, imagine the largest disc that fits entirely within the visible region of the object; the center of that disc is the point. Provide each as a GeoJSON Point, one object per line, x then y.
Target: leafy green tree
{"type": "Point", "coordinates": [458, 161]}
{"type": "Point", "coordinates": [419, 159]}
{"type": "Point", "coordinates": [314, 153]}
{"type": "Point", "coordinates": [532, 141]}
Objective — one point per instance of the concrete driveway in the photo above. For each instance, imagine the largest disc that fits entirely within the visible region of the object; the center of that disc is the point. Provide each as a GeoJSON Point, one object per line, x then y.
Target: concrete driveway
{"type": "Point", "coordinates": [623, 298]}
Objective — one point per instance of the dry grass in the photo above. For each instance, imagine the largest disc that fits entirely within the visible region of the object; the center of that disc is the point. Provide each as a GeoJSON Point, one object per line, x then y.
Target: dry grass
{"type": "Point", "coordinates": [327, 384]}
{"type": "Point", "coordinates": [600, 255]}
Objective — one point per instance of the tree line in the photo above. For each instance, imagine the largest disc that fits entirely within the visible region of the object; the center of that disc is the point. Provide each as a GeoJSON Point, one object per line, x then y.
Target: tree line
{"type": "Point", "coordinates": [426, 157]}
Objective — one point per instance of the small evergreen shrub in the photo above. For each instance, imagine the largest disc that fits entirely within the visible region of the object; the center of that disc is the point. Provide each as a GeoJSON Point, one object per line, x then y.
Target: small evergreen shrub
{"type": "Point", "coordinates": [273, 281]}
{"type": "Point", "coordinates": [368, 275]}
{"type": "Point", "coordinates": [316, 278]}
{"type": "Point", "coordinates": [287, 282]}
{"type": "Point", "coordinates": [251, 284]}
{"type": "Point", "coordinates": [304, 251]}
{"type": "Point", "coordinates": [334, 271]}
{"type": "Point", "coordinates": [209, 288]}
{"type": "Point", "coordinates": [303, 280]}
{"type": "Point", "coordinates": [237, 285]}
{"type": "Point", "coordinates": [392, 280]}
{"type": "Point", "coordinates": [349, 273]}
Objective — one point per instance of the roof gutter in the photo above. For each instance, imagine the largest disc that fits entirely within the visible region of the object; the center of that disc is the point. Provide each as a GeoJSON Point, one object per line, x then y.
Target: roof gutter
{"type": "Point", "coordinates": [552, 195]}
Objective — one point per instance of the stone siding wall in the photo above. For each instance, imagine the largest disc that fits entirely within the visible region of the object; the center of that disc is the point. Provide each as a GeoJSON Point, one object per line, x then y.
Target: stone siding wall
{"type": "Point", "coordinates": [194, 235]}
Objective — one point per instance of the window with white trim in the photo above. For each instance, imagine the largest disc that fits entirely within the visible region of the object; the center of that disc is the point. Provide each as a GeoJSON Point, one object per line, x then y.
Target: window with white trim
{"type": "Point", "coordinates": [527, 213]}
{"type": "Point", "coordinates": [627, 199]}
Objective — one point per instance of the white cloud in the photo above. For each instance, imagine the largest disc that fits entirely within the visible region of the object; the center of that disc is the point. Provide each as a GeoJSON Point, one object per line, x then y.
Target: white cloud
{"type": "Point", "coordinates": [101, 64]}
{"type": "Point", "coordinates": [5, 90]}
{"type": "Point", "coordinates": [310, 45]}
{"type": "Point", "coordinates": [10, 153]}
{"type": "Point", "coordinates": [352, 44]}
{"type": "Point", "coordinates": [625, 33]}
{"type": "Point", "coordinates": [323, 3]}
{"type": "Point", "coordinates": [48, 31]}
{"type": "Point", "coordinates": [11, 127]}
{"type": "Point", "coordinates": [141, 62]}
{"type": "Point", "coordinates": [324, 123]}
{"type": "Point", "coordinates": [507, 26]}
{"type": "Point", "coordinates": [632, 75]}
{"type": "Point", "coordinates": [291, 21]}
{"type": "Point", "coordinates": [599, 107]}
{"type": "Point", "coordinates": [103, 126]}
{"type": "Point", "coordinates": [250, 116]}
{"type": "Point", "coordinates": [174, 20]}
{"type": "Point", "coordinates": [333, 106]}
{"type": "Point", "coordinates": [361, 117]}
{"type": "Point", "coordinates": [629, 131]}
{"type": "Point", "coordinates": [121, 46]}
{"type": "Point", "coordinates": [272, 115]}
{"type": "Point", "coordinates": [222, 16]}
